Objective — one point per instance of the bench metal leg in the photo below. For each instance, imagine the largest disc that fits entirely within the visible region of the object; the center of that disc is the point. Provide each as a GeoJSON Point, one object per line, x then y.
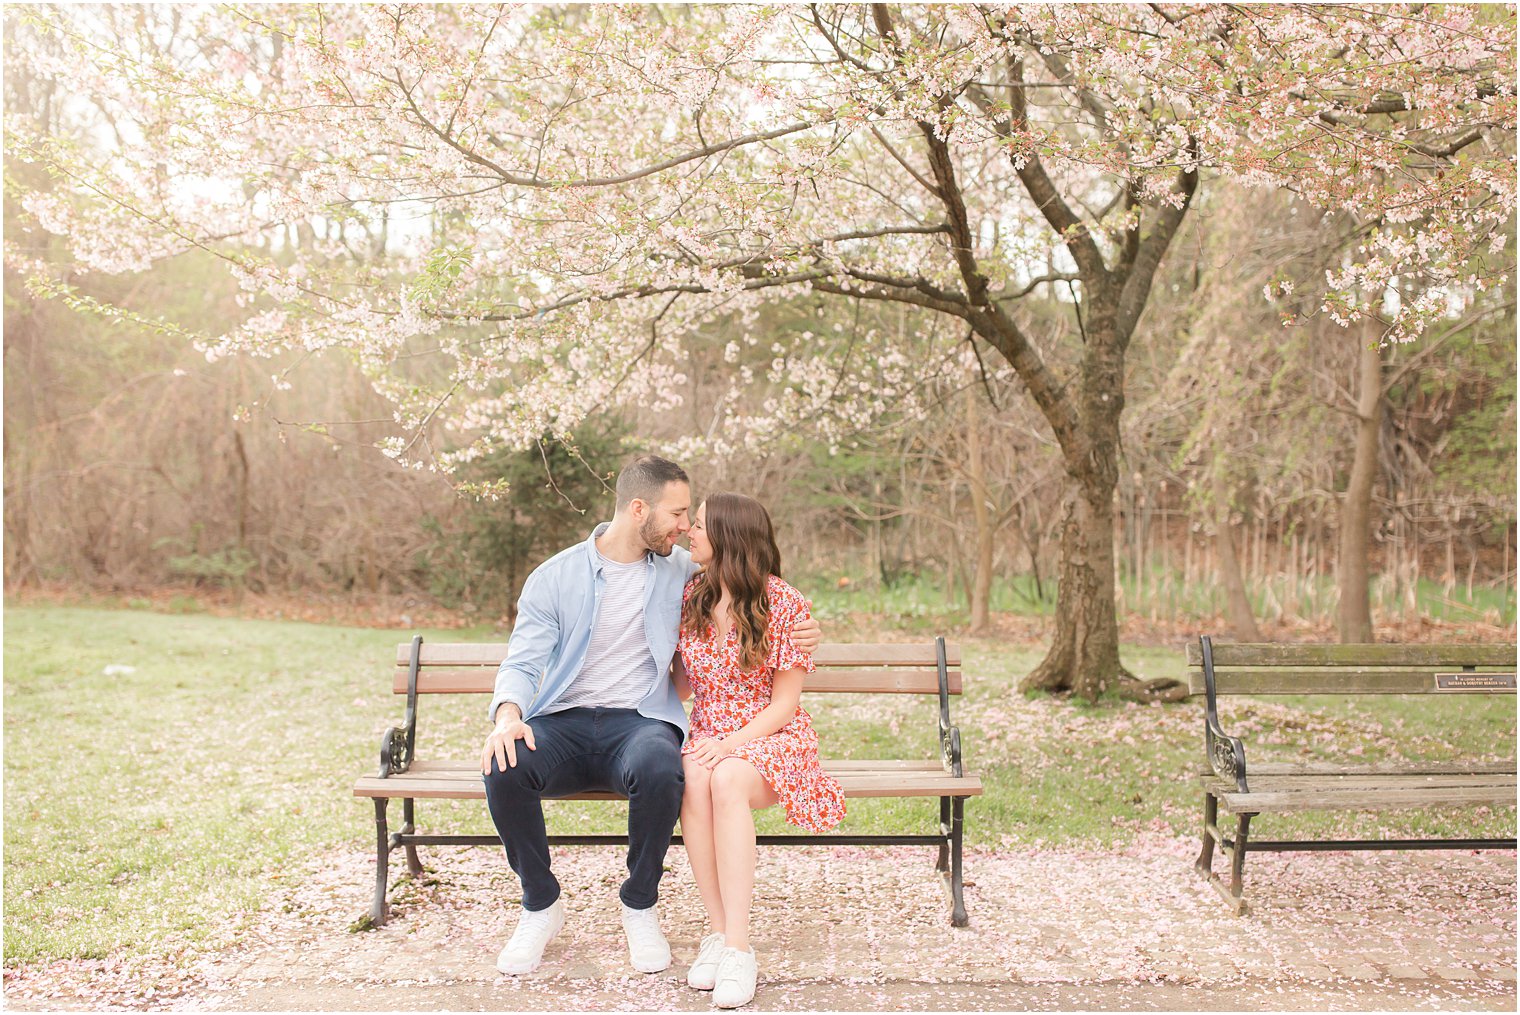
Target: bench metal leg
{"type": "Point", "coordinates": [409, 819]}
{"type": "Point", "coordinates": [943, 863]}
{"type": "Point", "coordinates": [1205, 864]}
{"type": "Point", "coordinates": [1234, 850]}
{"type": "Point", "coordinates": [958, 917]}
{"type": "Point", "coordinates": [1238, 863]}
{"type": "Point", "coordinates": [378, 908]}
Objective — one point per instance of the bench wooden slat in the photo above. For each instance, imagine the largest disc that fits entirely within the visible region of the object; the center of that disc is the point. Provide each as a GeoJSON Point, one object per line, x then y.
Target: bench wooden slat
{"type": "Point", "coordinates": [467, 785]}
{"type": "Point", "coordinates": [1272, 768]}
{"type": "Point", "coordinates": [829, 654]}
{"type": "Point", "coordinates": [454, 653]}
{"type": "Point", "coordinates": [1269, 654]}
{"type": "Point", "coordinates": [1358, 781]}
{"type": "Point", "coordinates": [824, 681]}
{"type": "Point", "coordinates": [833, 765]}
{"type": "Point", "coordinates": [858, 788]}
{"type": "Point", "coordinates": [1336, 680]}
{"type": "Point", "coordinates": [837, 767]}
{"type": "Point", "coordinates": [1365, 800]}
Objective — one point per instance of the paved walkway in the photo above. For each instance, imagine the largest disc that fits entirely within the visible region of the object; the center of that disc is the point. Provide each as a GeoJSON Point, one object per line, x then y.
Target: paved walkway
{"type": "Point", "coordinates": [848, 928]}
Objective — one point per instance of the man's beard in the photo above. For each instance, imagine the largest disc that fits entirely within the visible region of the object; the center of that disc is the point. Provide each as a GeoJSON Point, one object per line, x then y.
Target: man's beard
{"type": "Point", "coordinates": [656, 543]}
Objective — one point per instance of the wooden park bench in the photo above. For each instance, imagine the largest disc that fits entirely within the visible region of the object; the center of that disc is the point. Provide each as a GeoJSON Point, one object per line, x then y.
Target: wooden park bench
{"type": "Point", "coordinates": [930, 668]}
{"type": "Point", "coordinates": [1231, 785]}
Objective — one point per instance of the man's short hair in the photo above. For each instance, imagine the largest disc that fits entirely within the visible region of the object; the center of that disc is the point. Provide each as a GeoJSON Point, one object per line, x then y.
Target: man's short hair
{"type": "Point", "coordinates": [644, 479]}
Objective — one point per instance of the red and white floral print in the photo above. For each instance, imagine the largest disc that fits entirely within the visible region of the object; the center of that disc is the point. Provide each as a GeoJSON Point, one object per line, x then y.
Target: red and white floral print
{"type": "Point", "coordinates": [726, 697]}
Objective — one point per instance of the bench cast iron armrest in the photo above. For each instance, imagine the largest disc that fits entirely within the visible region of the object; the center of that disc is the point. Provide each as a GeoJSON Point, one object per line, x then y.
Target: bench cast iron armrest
{"type": "Point", "coordinates": [949, 735]}
{"type": "Point", "coordinates": [397, 742]}
{"type": "Point", "coordinates": [1227, 755]}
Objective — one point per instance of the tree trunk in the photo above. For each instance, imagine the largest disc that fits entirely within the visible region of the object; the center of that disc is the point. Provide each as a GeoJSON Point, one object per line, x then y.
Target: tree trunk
{"type": "Point", "coordinates": [1083, 411]}
{"type": "Point", "coordinates": [1084, 652]}
{"type": "Point", "coordinates": [981, 515]}
{"type": "Point", "coordinates": [1237, 605]}
{"type": "Point", "coordinates": [1354, 620]}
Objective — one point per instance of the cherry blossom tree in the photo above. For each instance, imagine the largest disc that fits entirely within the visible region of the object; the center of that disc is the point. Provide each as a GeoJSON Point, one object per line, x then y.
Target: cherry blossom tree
{"type": "Point", "coordinates": [511, 216]}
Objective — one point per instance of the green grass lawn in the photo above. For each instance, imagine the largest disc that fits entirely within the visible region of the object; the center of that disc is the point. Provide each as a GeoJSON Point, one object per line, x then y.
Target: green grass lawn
{"type": "Point", "coordinates": [921, 603]}
{"type": "Point", "coordinates": [154, 810]}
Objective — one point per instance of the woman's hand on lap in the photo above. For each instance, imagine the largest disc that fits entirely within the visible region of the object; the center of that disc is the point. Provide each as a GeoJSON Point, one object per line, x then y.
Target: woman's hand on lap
{"type": "Point", "coordinates": [711, 751]}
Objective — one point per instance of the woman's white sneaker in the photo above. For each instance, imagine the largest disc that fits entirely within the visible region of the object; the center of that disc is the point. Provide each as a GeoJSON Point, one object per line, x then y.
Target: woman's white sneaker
{"type": "Point", "coordinates": [534, 931]}
{"type": "Point", "coordinates": [736, 978]}
{"type": "Point", "coordinates": [647, 948]}
{"type": "Point", "coordinates": [703, 974]}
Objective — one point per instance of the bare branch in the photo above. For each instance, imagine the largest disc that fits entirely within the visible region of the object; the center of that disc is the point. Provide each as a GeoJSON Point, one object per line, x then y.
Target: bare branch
{"type": "Point", "coordinates": [833, 42]}
{"type": "Point", "coordinates": [883, 293]}
{"type": "Point", "coordinates": [599, 181]}
{"type": "Point", "coordinates": [866, 234]}
{"type": "Point", "coordinates": [1037, 282]}
{"type": "Point", "coordinates": [918, 283]}
{"type": "Point", "coordinates": [635, 292]}
{"type": "Point", "coordinates": [1451, 148]}
{"type": "Point", "coordinates": [902, 161]}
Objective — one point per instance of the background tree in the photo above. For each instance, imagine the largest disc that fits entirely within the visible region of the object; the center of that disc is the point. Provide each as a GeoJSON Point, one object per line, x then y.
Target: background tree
{"type": "Point", "coordinates": [527, 506]}
{"type": "Point", "coordinates": [564, 196]}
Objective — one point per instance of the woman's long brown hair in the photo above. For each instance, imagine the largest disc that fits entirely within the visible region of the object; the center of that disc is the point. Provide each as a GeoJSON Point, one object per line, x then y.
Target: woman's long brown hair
{"type": "Point", "coordinates": [744, 556]}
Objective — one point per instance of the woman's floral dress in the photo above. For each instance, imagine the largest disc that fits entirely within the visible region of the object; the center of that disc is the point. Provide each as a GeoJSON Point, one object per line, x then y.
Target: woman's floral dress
{"type": "Point", "coordinates": [725, 698]}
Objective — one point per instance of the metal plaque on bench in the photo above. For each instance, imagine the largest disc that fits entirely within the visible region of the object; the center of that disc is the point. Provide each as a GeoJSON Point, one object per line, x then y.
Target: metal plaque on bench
{"type": "Point", "coordinates": [1475, 681]}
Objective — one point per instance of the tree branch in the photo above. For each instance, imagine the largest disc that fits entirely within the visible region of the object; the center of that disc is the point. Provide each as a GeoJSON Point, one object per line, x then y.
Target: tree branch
{"type": "Point", "coordinates": [1383, 106]}
{"type": "Point", "coordinates": [1036, 283]}
{"type": "Point", "coordinates": [1451, 148]}
{"type": "Point", "coordinates": [911, 296]}
{"type": "Point", "coordinates": [1072, 230]}
{"type": "Point", "coordinates": [985, 315]}
{"type": "Point", "coordinates": [917, 283]}
{"type": "Point", "coordinates": [1428, 348]}
{"type": "Point", "coordinates": [600, 181]}
{"type": "Point", "coordinates": [1142, 272]}
{"type": "Point", "coordinates": [866, 234]}
{"type": "Point", "coordinates": [902, 161]}
{"type": "Point", "coordinates": [1048, 392]}
{"type": "Point", "coordinates": [838, 49]}
{"type": "Point", "coordinates": [943, 167]}
{"type": "Point", "coordinates": [1090, 101]}
{"type": "Point", "coordinates": [635, 292]}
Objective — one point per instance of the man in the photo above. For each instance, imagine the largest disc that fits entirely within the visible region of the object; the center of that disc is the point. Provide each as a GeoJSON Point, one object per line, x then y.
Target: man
{"type": "Point", "coordinates": [586, 690]}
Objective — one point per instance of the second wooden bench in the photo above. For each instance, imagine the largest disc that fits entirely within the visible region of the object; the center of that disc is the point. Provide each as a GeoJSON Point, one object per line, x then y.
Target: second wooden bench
{"type": "Point", "coordinates": [1339, 784]}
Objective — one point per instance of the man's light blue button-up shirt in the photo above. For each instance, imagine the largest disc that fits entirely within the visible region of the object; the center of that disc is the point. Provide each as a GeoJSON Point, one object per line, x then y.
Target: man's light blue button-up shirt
{"type": "Point", "coordinates": [556, 614]}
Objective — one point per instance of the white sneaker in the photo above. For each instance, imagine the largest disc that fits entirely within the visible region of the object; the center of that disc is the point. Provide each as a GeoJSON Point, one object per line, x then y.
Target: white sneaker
{"type": "Point", "coordinates": [534, 931]}
{"type": "Point", "coordinates": [736, 978]}
{"type": "Point", "coordinates": [703, 974]}
{"type": "Point", "coordinates": [647, 948]}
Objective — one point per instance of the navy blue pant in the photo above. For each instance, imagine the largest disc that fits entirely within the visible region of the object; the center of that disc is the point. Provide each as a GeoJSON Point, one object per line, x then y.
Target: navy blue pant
{"type": "Point", "coordinates": [614, 750]}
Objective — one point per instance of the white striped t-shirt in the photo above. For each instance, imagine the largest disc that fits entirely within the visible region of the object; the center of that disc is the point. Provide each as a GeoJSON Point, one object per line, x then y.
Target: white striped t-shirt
{"type": "Point", "coordinates": [619, 670]}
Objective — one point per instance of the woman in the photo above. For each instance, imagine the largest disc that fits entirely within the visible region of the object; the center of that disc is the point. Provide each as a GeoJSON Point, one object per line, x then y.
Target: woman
{"type": "Point", "coordinates": [751, 745]}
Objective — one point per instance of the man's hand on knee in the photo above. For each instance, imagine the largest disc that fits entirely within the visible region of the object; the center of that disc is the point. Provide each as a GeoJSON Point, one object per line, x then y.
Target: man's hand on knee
{"type": "Point", "coordinates": [502, 743]}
